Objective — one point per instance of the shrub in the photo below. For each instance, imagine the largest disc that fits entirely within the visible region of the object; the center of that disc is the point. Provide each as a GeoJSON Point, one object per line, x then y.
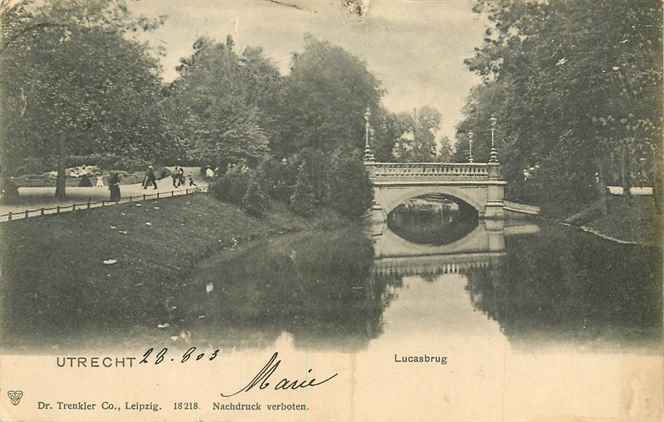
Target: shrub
{"type": "Point", "coordinates": [31, 165]}
{"type": "Point", "coordinates": [316, 166]}
{"type": "Point", "coordinates": [277, 178]}
{"type": "Point", "coordinates": [100, 160]}
{"type": "Point", "coordinates": [104, 161]}
{"type": "Point", "coordinates": [255, 202]}
{"type": "Point", "coordinates": [85, 181]}
{"type": "Point", "coordinates": [131, 164]}
{"type": "Point", "coordinates": [303, 199]}
{"type": "Point", "coordinates": [231, 187]}
{"type": "Point", "coordinates": [351, 192]}
{"type": "Point", "coordinates": [163, 172]}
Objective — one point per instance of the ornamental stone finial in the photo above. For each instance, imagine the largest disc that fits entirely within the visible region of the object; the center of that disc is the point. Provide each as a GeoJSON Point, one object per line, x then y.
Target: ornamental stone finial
{"type": "Point", "coordinates": [368, 154]}
{"type": "Point", "coordinates": [470, 146]}
{"type": "Point", "coordinates": [493, 155]}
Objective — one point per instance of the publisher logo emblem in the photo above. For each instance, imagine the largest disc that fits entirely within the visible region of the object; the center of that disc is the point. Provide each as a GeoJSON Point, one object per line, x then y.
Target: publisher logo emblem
{"type": "Point", "coordinates": [15, 396]}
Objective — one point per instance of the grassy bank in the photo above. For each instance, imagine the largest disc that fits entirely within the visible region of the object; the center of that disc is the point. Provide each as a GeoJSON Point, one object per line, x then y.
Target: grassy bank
{"type": "Point", "coordinates": [54, 277]}
{"type": "Point", "coordinates": [630, 221]}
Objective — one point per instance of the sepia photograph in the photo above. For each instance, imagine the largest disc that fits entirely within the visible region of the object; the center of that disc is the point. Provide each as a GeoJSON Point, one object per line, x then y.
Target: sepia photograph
{"type": "Point", "coordinates": [331, 210]}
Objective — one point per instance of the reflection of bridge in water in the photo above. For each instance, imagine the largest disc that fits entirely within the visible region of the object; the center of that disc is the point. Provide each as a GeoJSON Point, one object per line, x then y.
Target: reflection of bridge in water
{"type": "Point", "coordinates": [482, 247]}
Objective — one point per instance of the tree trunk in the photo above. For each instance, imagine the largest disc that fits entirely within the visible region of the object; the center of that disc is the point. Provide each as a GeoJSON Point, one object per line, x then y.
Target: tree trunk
{"type": "Point", "coordinates": [60, 184]}
{"type": "Point", "coordinates": [658, 178]}
{"type": "Point", "coordinates": [601, 185]}
{"type": "Point", "coordinates": [627, 173]}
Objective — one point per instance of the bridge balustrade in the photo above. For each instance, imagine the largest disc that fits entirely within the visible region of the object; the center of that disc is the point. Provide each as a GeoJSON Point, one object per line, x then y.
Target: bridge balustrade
{"type": "Point", "coordinates": [434, 171]}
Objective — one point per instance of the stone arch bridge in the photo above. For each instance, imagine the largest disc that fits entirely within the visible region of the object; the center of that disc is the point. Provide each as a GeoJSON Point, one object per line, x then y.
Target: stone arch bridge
{"type": "Point", "coordinates": [478, 185]}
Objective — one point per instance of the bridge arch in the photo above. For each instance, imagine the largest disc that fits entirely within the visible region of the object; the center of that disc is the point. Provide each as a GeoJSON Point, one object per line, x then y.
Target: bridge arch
{"type": "Point", "coordinates": [390, 199]}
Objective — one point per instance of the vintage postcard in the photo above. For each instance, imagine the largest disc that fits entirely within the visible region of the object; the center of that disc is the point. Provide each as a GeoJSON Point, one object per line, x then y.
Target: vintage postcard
{"type": "Point", "coordinates": [331, 210]}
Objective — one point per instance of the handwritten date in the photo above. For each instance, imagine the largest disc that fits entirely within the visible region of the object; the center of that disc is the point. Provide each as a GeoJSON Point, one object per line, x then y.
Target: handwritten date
{"type": "Point", "coordinates": [149, 357]}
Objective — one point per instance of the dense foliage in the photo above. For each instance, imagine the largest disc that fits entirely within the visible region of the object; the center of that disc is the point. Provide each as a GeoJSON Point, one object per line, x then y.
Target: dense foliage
{"type": "Point", "coordinates": [75, 82]}
{"type": "Point", "coordinates": [576, 88]}
{"type": "Point", "coordinates": [232, 186]}
{"type": "Point", "coordinates": [326, 95]}
{"type": "Point", "coordinates": [255, 202]}
{"type": "Point", "coordinates": [220, 107]}
{"type": "Point", "coordinates": [235, 110]}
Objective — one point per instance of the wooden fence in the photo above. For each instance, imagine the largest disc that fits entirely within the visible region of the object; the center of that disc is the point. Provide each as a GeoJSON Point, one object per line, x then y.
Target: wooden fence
{"type": "Point", "coordinates": [59, 209]}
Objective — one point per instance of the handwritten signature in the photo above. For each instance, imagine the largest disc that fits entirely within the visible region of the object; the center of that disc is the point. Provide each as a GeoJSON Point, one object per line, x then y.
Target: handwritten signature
{"type": "Point", "coordinates": [262, 379]}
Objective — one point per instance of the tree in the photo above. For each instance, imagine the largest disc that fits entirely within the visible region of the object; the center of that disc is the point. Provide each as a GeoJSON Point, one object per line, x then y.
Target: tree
{"type": "Point", "coordinates": [255, 202]}
{"type": "Point", "coordinates": [351, 191]}
{"type": "Point", "coordinates": [577, 83]}
{"type": "Point", "coordinates": [419, 133]}
{"type": "Point", "coordinates": [325, 97]}
{"type": "Point", "coordinates": [445, 152]}
{"type": "Point", "coordinates": [387, 133]}
{"type": "Point", "coordinates": [483, 101]}
{"type": "Point", "coordinates": [222, 105]}
{"type": "Point", "coordinates": [75, 82]}
{"type": "Point", "coordinates": [315, 166]}
{"type": "Point", "coordinates": [303, 200]}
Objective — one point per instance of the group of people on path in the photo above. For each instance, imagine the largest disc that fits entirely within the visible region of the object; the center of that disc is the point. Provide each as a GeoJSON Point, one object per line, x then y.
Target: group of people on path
{"type": "Point", "coordinates": [179, 180]}
{"type": "Point", "coordinates": [150, 179]}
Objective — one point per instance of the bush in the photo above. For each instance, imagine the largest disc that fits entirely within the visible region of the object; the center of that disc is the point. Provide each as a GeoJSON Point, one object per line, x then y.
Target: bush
{"type": "Point", "coordinates": [85, 181]}
{"type": "Point", "coordinates": [351, 191]}
{"type": "Point", "coordinates": [303, 200]}
{"type": "Point", "coordinates": [255, 202]}
{"type": "Point", "coordinates": [100, 160]}
{"type": "Point", "coordinates": [163, 172]}
{"type": "Point", "coordinates": [131, 164]}
{"type": "Point", "coordinates": [104, 161]}
{"type": "Point", "coordinates": [316, 166]}
{"type": "Point", "coordinates": [277, 178]}
{"type": "Point", "coordinates": [31, 165]}
{"type": "Point", "coordinates": [231, 187]}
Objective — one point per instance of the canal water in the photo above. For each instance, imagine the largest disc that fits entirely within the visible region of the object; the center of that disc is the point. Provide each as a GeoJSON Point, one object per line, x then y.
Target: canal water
{"type": "Point", "coordinates": [532, 320]}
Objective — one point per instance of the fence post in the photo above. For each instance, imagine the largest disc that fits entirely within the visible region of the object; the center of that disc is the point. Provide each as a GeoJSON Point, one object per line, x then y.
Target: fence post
{"type": "Point", "coordinates": [157, 195]}
{"type": "Point", "coordinates": [172, 193]}
{"type": "Point", "coordinates": [41, 211]}
{"type": "Point", "coordinates": [144, 197]}
{"type": "Point", "coordinates": [26, 213]}
{"type": "Point", "coordinates": [186, 191]}
{"type": "Point", "coordinates": [103, 203]}
{"type": "Point", "coordinates": [57, 210]}
{"type": "Point", "coordinates": [88, 203]}
{"type": "Point", "coordinates": [73, 207]}
{"type": "Point", "coordinates": [9, 216]}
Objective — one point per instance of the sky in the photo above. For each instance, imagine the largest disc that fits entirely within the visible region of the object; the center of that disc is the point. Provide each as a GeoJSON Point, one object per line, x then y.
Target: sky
{"type": "Point", "coordinates": [415, 47]}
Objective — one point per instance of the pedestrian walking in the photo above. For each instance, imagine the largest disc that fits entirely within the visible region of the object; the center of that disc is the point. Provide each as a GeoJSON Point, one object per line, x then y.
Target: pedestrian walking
{"type": "Point", "coordinates": [191, 181]}
{"type": "Point", "coordinates": [150, 178]}
{"type": "Point", "coordinates": [174, 175]}
{"type": "Point", "coordinates": [9, 191]}
{"type": "Point", "coordinates": [181, 176]}
{"type": "Point", "coordinates": [114, 187]}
